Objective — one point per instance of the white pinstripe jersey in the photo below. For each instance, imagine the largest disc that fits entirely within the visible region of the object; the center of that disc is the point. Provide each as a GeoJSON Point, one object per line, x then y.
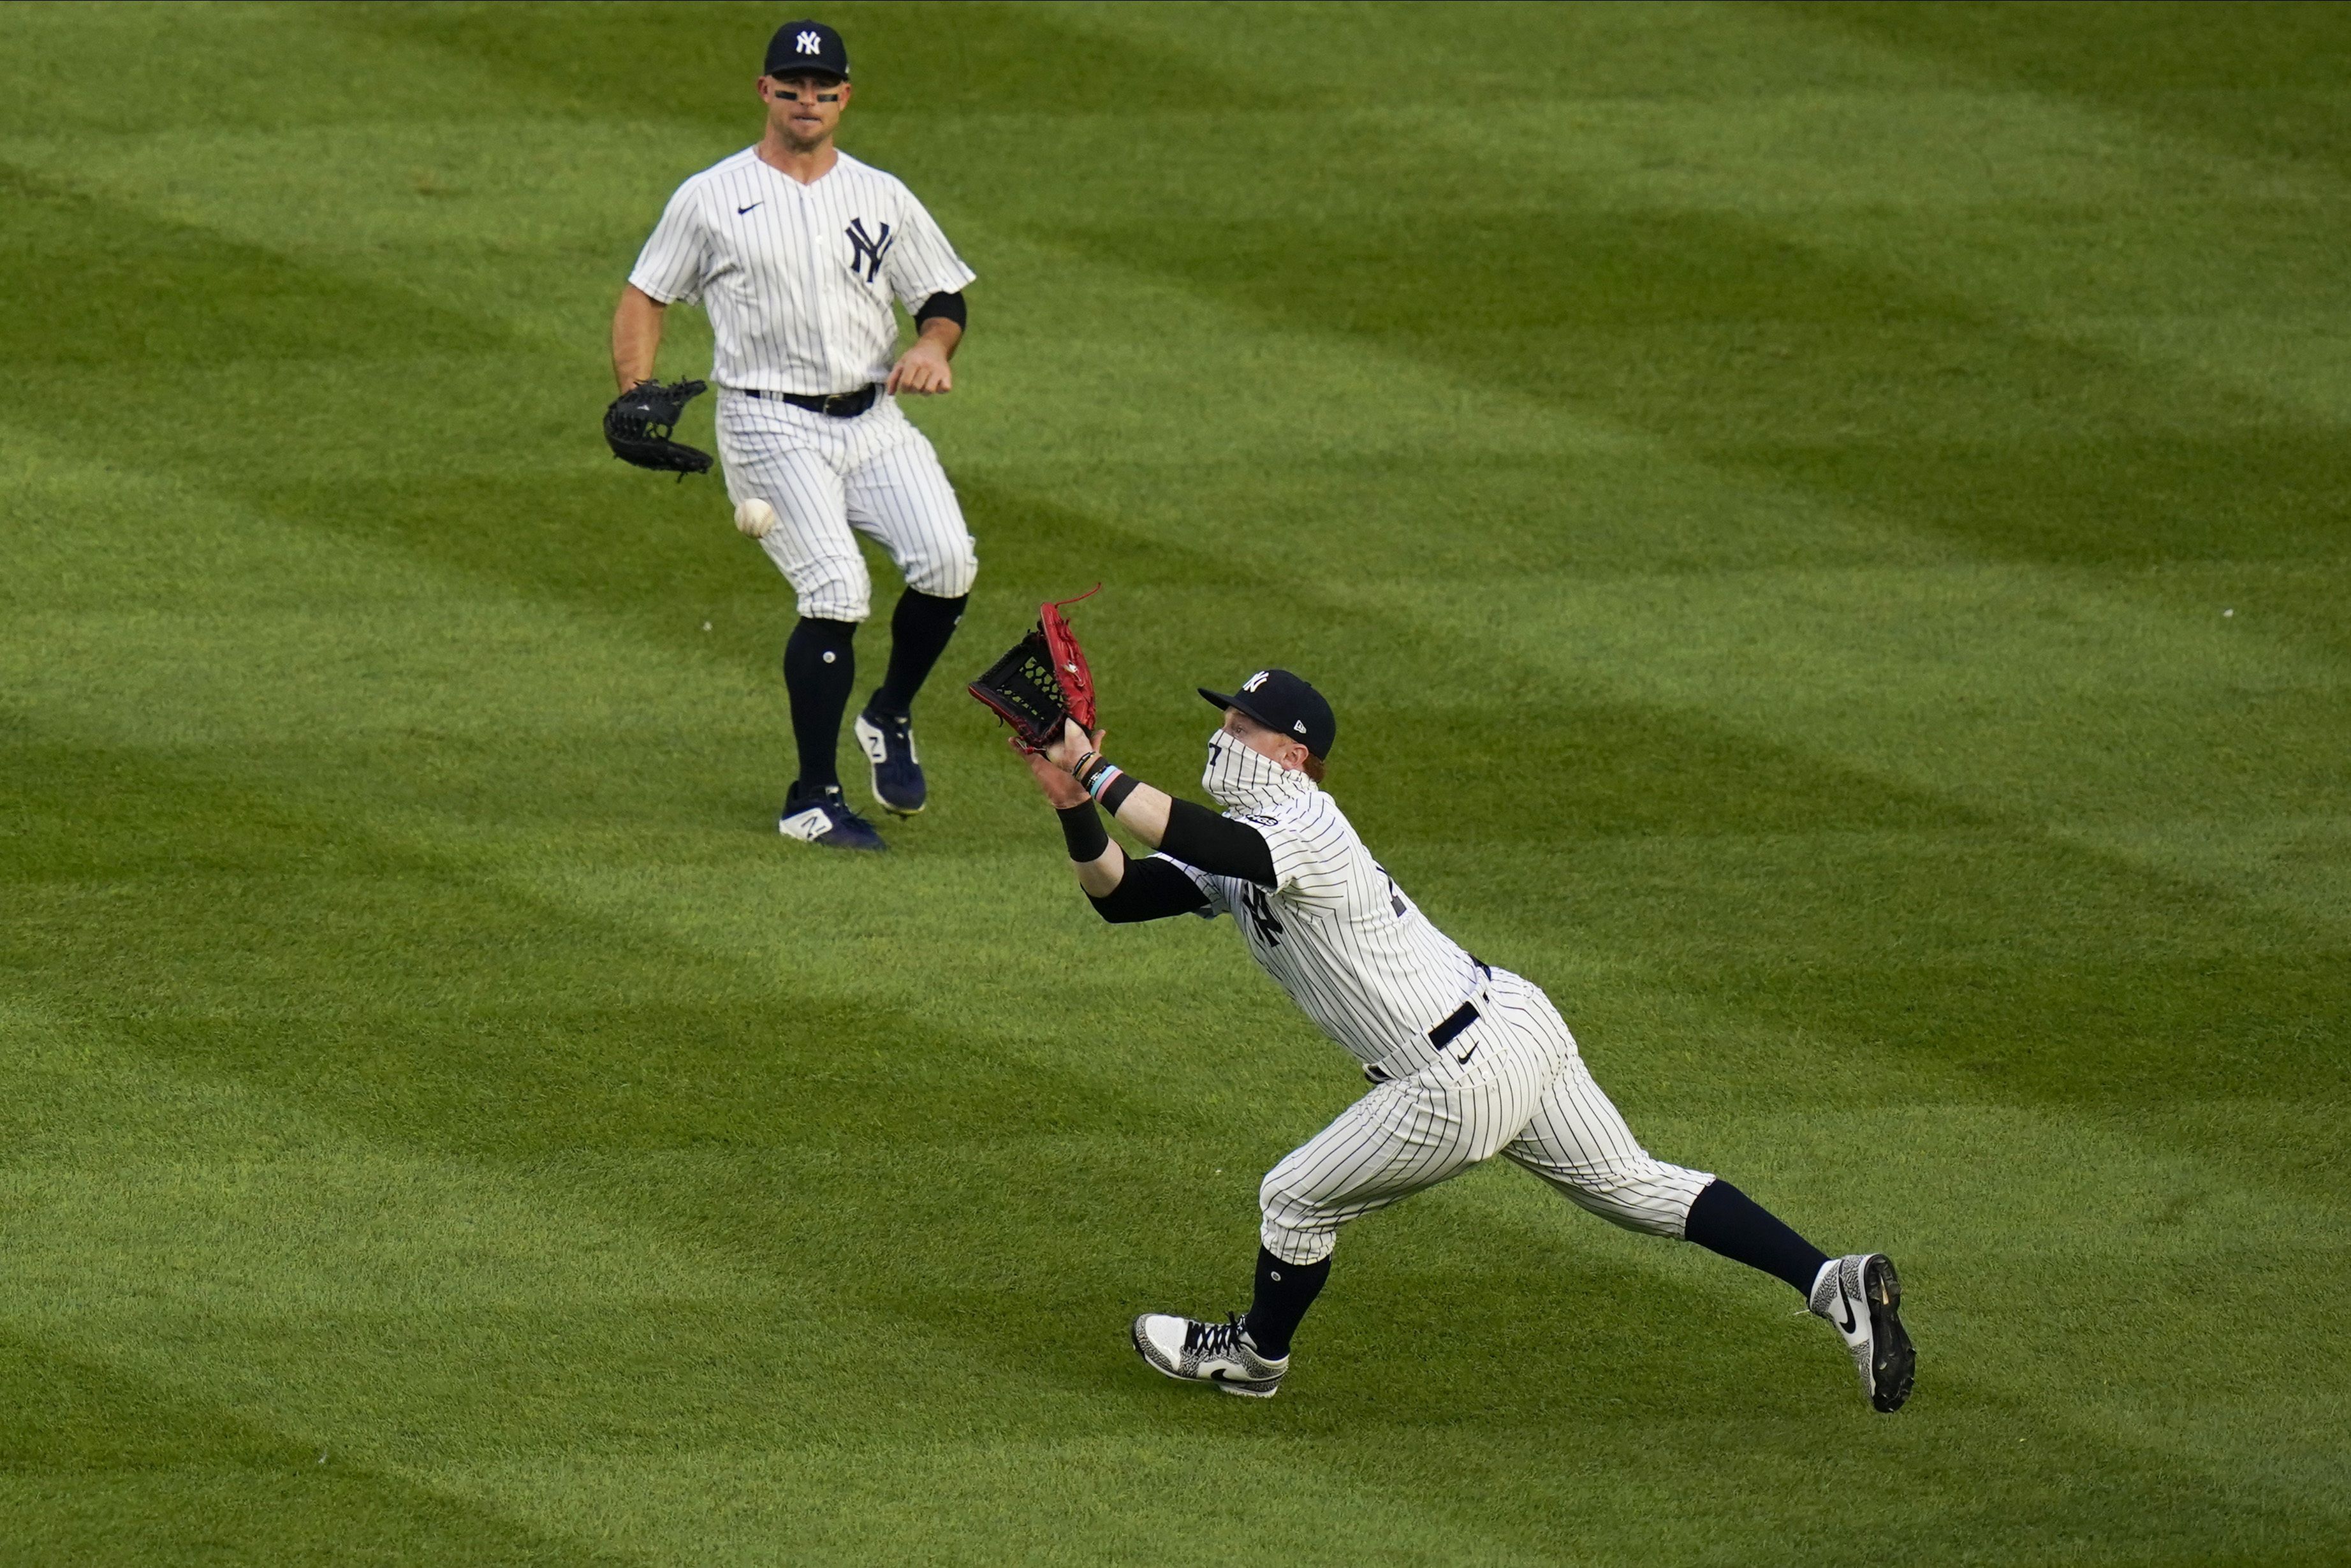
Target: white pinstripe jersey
{"type": "Point", "coordinates": [1339, 936]}
{"type": "Point", "coordinates": [798, 279]}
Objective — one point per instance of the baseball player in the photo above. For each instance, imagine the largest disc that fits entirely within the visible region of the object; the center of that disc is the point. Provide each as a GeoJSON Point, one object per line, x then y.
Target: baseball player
{"type": "Point", "coordinates": [1467, 1060]}
{"type": "Point", "coordinates": [796, 250]}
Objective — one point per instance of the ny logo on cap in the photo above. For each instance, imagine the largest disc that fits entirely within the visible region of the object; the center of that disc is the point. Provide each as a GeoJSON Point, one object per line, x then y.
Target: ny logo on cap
{"type": "Point", "coordinates": [1255, 681]}
{"type": "Point", "coordinates": [810, 44]}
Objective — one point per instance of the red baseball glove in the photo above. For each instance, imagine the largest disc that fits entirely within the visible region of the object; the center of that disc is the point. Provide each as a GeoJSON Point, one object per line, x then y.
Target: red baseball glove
{"type": "Point", "coordinates": [1041, 680]}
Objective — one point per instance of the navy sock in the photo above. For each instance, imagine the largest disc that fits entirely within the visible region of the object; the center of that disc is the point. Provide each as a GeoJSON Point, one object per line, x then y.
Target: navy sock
{"type": "Point", "coordinates": [1725, 1220]}
{"type": "Point", "coordinates": [919, 630]}
{"type": "Point", "coordinates": [819, 666]}
{"type": "Point", "coordinates": [1284, 1291]}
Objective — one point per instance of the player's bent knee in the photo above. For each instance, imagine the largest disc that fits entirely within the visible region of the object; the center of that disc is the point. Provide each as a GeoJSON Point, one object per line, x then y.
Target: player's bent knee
{"type": "Point", "coordinates": [833, 592]}
{"type": "Point", "coordinates": [1295, 1244]}
{"type": "Point", "coordinates": [947, 577]}
{"type": "Point", "coordinates": [1297, 1228]}
{"type": "Point", "coordinates": [1654, 1199]}
{"type": "Point", "coordinates": [830, 607]}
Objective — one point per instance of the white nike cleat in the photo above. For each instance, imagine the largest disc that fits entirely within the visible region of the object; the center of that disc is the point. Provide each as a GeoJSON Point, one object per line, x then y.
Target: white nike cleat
{"type": "Point", "coordinates": [1861, 1296]}
{"type": "Point", "coordinates": [1220, 1353]}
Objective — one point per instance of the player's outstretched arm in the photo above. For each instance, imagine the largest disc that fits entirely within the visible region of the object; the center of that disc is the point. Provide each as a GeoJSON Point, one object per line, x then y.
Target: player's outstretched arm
{"type": "Point", "coordinates": [1122, 891]}
{"type": "Point", "coordinates": [636, 336]}
{"type": "Point", "coordinates": [1190, 832]}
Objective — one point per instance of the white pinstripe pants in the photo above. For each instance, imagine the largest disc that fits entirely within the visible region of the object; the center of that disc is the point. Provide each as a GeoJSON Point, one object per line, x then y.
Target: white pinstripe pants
{"type": "Point", "coordinates": [876, 474]}
{"type": "Point", "coordinates": [1524, 1093]}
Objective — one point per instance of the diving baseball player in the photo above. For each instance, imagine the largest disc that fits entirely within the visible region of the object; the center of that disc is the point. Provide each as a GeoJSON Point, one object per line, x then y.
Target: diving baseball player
{"type": "Point", "coordinates": [1465, 1061]}
{"type": "Point", "coordinates": [796, 251]}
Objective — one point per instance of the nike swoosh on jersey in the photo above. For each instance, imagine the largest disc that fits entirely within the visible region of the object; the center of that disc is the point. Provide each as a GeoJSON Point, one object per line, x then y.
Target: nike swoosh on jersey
{"type": "Point", "coordinates": [740, 211]}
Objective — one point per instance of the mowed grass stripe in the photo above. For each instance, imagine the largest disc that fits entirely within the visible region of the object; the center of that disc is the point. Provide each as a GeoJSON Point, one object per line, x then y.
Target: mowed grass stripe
{"type": "Point", "coordinates": [2016, 1509]}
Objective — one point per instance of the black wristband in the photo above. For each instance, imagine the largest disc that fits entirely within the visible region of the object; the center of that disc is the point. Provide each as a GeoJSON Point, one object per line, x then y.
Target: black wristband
{"type": "Point", "coordinates": [949, 306]}
{"type": "Point", "coordinates": [1082, 825]}
{"type": "Point", "coordinates": [1120, 788]}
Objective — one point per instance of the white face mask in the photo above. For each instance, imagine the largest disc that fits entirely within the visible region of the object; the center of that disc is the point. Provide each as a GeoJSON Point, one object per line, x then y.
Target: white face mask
{"type": "Point", "coordinates": [1240, 778]}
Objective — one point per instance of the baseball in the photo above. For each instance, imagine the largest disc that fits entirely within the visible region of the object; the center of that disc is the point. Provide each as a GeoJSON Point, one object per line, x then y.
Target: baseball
{"type": "Point", "coordinates": [755, 517]}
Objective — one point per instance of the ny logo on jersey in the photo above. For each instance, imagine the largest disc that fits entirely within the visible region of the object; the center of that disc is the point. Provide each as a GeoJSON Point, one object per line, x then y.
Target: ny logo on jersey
{"type": "Point", "coordinates": [810, 44]}
{"type": "Point", "coordinates": [866, 251]}
{"type": "Point", "coordinates": [1261, 916]}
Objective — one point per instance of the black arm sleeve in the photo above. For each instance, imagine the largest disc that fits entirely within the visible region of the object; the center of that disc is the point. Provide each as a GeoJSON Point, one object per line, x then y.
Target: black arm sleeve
{"type": "Point", "coordinates": [1082, 825]}
{"type": "Point", "coordinates": [1217, 845]}
{"type": "Point", "coordinates": [947, 305]}
{"type": "Point", "coordinates": [1151, 890]}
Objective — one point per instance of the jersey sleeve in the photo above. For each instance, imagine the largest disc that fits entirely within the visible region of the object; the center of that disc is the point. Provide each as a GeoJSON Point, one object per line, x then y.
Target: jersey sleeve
{"type": "Point", "coordinates": [1310, 843]}
{"type": "Point", "coordinates": [1212, 888]}
{"type": "Point", "coordinates": [921, 262]}
{"type": "Point", "coordinates": [1152, 889]}
{"type": "Point", "coordinates": [676, 258]}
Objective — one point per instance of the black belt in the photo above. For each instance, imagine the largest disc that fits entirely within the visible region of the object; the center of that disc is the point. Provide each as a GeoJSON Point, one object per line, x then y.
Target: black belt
{"type": "Point", "coordinates": [1446, 1033]}
{"type": "Point", "coordinates": [1440, 1036]}
{"type": "Point", "coordinates": [1446, 1030]}
{"type": "Point", "coordinates": [1449, 1030]}
{"type": "Point", "coordinates": [835, 405]}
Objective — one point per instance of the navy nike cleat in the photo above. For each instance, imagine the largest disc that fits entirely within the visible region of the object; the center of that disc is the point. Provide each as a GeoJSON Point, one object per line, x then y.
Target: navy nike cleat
{"type": "Point", "coordinates": [1861, 1296]}
{"type": "Point", "coordinates": [888, 740]}
{"type": "Point", "coordinates": [820, 817]}
{"type": "Point", "coordinates": [1219, 1353]}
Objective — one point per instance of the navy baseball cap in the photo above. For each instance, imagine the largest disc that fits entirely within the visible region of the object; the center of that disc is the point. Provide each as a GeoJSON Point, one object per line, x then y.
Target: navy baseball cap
{"type": "Point", "coordinates": [806, 46]}
{"type": "Point", "coordinates": [1282, 702]}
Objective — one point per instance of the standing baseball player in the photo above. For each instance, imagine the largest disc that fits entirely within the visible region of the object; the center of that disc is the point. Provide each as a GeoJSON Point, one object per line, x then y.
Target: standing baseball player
{"type": "Point", "coordinates": [1467, 1060]}
{"type": "Point", "coordinates": [796, 250]}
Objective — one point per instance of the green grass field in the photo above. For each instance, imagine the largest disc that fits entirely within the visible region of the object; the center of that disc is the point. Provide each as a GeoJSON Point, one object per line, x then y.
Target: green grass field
{"type": "Point", "coordinates": [1829, 534]}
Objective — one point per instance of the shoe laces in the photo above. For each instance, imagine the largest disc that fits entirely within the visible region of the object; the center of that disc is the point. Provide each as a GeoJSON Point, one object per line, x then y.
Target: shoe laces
{"type": "Point", "coordinates": [1214, 1338]}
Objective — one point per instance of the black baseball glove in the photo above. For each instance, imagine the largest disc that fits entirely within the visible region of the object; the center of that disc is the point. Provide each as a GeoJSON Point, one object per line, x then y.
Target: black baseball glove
{"type": "Point", "coordinates": [638, 424]}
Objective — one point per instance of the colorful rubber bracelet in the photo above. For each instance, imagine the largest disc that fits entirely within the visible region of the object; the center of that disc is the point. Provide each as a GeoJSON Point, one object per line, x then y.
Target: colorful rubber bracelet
{"type": "Point", "coordinates": [1104, 777]}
